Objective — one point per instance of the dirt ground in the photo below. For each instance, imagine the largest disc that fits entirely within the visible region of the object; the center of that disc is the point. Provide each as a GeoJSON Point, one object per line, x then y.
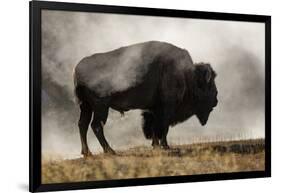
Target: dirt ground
{"type": "Point", "coordinates": [138, 162]}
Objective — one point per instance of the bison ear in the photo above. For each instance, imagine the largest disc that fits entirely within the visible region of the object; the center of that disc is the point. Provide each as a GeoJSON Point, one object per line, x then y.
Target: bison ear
{"type": "Point", "coordinates": [203, 73]}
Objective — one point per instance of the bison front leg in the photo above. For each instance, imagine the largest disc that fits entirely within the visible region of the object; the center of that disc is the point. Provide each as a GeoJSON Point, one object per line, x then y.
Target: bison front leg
{"type": "Point", "coordinates": [163, 140]}
{"type": "Point", "coordinates": [155, 141]}
{"type": "Point", "coordinates": [84, 121]}
{"type": "Point", "coordinates": [168, 111]}
{"type": "Point", "coordinates": [100, 117]}
{"type": "Point", "coordinates": [159, 132]}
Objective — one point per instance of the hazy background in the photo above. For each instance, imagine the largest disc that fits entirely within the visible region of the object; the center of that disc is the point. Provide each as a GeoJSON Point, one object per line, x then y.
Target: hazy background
{"type": "Point", "coordinates": [234, 49]}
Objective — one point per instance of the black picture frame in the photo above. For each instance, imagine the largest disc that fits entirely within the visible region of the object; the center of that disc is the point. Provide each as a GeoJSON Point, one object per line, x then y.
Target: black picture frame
{"type": "Point", "coordinates": [35, 8]}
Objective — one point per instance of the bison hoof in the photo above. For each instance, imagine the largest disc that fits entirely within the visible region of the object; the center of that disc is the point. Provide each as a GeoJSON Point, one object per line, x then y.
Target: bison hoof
{"type": "Point", "coordinates": [165, 147]}
{"type": "Point", "coordinates": [87, 154]}
{"type": "Point", "coordinates": [110, 151]}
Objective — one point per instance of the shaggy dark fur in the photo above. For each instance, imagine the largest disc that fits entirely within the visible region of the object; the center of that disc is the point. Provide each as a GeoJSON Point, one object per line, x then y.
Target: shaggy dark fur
{"type": "Point", "coordinates": [199, 99]}
{"type": "Point", "coordinates": [147, 124]}
{"type": "Point", "coordinates": [157, 77]}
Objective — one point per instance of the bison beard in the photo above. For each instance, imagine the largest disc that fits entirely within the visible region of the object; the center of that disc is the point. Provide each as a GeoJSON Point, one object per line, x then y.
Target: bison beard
{"type": "Point", "coordinates": [151, 127]}
{"type": "Point", "coordinates": [147, 124]}
{"type": "Point", "coordinates": [156, 77]}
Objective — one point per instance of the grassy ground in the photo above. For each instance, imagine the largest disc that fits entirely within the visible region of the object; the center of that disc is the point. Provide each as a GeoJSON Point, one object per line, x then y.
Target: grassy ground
{"type": "Point", "coordinates": [140, 162]}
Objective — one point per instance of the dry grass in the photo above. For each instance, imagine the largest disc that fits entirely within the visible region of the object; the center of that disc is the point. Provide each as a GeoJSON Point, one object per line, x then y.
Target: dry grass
{"type": "Point", "coordinates": [217, 157]}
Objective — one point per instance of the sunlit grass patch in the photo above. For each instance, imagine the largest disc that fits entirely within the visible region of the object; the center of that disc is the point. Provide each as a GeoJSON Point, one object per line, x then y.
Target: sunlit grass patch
{"type": "Point", "coordinates": [138, 162]}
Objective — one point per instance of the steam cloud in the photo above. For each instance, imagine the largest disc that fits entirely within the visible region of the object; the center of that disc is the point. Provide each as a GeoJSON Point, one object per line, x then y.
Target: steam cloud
{"type": "Point", "coordinates": [107, 75]}
{"type": "Point", "coordinates": [234, 49]}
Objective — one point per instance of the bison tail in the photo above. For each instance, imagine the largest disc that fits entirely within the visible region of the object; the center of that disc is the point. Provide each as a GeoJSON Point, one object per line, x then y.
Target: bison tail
{"type": "Point", "coordinates": [76, 95]}
{"type": "Point", "coordinates": [76, 89]}
{"type": "Point", "coordinates": [147, 124]}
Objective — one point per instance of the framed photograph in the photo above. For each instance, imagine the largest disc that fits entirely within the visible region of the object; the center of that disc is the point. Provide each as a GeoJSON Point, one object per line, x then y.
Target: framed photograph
{"type": "Point", "coordinates": [126, 96]}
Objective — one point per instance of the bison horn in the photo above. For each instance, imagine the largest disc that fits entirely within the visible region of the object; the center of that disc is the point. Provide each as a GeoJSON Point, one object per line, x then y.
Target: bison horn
{"type": "Point", "coordinates": [205, 72]}
{"type": "Point", "coordinates": [208, 73]}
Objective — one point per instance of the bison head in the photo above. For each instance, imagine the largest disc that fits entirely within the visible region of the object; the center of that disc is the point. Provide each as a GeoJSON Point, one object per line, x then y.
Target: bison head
{"type": "Point", "coordinates": [206, 93]}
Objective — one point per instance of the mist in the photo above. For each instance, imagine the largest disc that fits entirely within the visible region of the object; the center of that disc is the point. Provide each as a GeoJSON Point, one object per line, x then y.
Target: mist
{"type": "Point", "coordinates": [236, 51]}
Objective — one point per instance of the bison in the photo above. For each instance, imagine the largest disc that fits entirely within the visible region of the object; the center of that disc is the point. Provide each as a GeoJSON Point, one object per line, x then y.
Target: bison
{"type": "Point", "coordinates": [156, 77]}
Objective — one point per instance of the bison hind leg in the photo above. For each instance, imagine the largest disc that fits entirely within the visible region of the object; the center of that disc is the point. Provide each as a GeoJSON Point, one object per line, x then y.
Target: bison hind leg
{"type": "Point", "coordinates": [99, 119]}
{"type": "Point", "coordinates": [84, 120]}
